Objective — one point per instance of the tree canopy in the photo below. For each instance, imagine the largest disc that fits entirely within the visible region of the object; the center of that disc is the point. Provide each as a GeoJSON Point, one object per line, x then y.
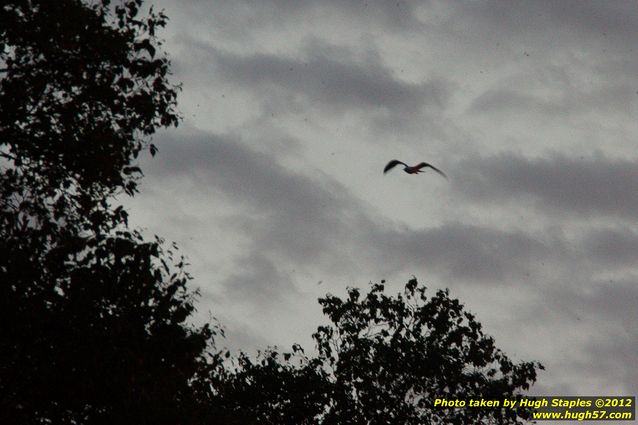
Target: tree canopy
{"type": "Point", "coordinates": [93, 316]}
{"type": "Point", "coordinates": [382, 359]}
{"type": "Point", "coordinates": [82, 88]}
{"type": "Point", "coordinates": [82, 85]}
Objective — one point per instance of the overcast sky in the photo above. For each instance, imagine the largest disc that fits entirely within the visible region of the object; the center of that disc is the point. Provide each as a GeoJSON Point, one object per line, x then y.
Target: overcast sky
{"type": "Point", "coordinates": [273, 184]}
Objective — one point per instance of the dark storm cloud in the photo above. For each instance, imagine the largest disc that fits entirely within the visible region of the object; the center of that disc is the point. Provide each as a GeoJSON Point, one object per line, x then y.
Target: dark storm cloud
{"type": "Point", "coordinates": [327, 79]}
{"type": "Point", "coordinates": [583, 185]}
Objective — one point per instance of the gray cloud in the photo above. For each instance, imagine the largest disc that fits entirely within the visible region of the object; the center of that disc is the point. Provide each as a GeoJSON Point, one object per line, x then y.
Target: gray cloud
{"type": "Point", "coordinates": [232, 18]}
{"type": "Point", "coordinates": [616, 246]}
{"type": "Point", "coordinates": [510, 101]}
{"type": "Point", "coordinates": [600, 315]}
{"type": "Point", "coordinates": [394, 15]}
{"type": "Point", "coordinates": [468, 253]}
{"type": "Point", "coordinates": [258, 278]}
{"type": "Point", "coordinates": [582, 185]}
{"type": "Point", "coordinates": [545, 18]}
{"type": "Point", "coordinates": [543, 244]}
{"type": "Point", "coordinates": [286, 213]}
{"type": "Point", "coordinates": [566, 100]}
{"type": "Point", "coordinates": [324, 77]}
{"type": "Point", "coordinates": [298, 219]}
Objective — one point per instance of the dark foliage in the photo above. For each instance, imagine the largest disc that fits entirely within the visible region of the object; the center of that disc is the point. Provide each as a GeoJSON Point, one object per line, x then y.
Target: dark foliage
{"type": "Point", "coordinates": [92, 317]}
{"type": "Point", "coordinates": [384, 360]}
{"type": "Point", "coordinates": [97, 337]}
{"type": "Point", "coordinates": [82, 88]}
{"type": "Point", "coordinates": [276, 388]}
{"type": "Point", "coordinates": [82, 85]}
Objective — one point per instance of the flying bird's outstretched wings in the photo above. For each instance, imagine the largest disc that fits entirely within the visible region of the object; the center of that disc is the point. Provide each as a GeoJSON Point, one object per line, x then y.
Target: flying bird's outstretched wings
{"type": "Point", "coordinates": [425, 164]}
{"type": "Point", "coordinates": [392, 164]}
{"type": "Point", "coordinates": [412, 169]}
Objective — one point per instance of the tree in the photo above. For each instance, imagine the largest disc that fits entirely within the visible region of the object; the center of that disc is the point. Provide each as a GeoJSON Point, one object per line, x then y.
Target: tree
{"type": "Point", "coordinates": [83, 88]}
{"type": "Point", "coordinates": [79, 90]}
{"type": "Point", "coordinates": [275, 388]}
{"type": "Point", "coordinates": [93, 317]}
{"type": "Point", "coordinates": [383, 360]}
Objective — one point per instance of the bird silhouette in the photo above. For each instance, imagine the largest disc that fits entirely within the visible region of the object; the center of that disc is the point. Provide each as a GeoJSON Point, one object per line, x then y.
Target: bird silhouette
{"type": "Point", "coordinates": [414, 169]}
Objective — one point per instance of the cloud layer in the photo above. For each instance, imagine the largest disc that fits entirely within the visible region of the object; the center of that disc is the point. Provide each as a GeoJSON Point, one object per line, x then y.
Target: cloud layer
{"type": "Point", "coordinates": [273, 185]}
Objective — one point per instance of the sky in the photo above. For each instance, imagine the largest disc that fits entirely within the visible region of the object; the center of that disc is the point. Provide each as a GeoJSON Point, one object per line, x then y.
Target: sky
{"type": "Point", "coordinates": [273, 188]}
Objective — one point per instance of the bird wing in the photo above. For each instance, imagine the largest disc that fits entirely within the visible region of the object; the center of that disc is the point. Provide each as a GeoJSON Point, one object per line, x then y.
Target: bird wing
{"type": "Point", "coordinates": [392, 164]}
{"type": "Point", "coordinates": [425, 164]}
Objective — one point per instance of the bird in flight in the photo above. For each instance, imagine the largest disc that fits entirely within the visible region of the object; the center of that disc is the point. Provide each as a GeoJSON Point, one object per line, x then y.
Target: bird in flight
{"type": "Point", "coordinates": [414, 169]}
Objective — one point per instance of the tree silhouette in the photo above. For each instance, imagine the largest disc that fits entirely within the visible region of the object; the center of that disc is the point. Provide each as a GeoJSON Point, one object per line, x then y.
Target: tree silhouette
{"type": "Point", "coordinates": [82, 88]}
{"type": "Point", "coordinates": [92, 316]}
{"type": "Point", "coordinates": [383, 360]}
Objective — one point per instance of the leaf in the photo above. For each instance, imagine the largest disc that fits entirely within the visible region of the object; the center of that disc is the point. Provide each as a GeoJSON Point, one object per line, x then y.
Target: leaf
{"type": "Point", "coordinates": [132, 169]}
